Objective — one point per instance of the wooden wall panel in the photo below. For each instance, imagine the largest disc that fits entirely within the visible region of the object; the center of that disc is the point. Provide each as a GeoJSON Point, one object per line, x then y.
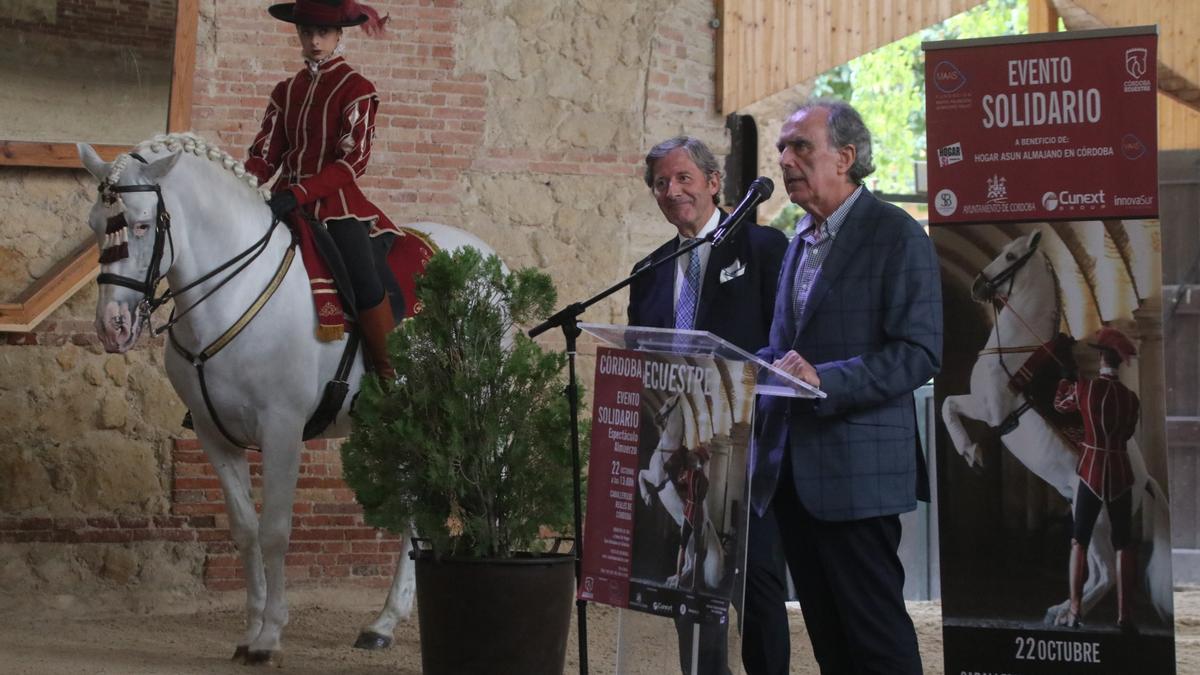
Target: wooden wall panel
{"type": "Point", "coordinates": [1178, 125]}
{"type": "Point", "coordinates": [1177, 21]}
{"type": "Point", "coordinates": [1179, 196]}
{"type": "Point", "coordinates": [768, 46]}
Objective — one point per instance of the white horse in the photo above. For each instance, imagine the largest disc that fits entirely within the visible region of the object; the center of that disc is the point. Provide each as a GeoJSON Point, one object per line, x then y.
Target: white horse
{"type": "Point", "coordinates": [256, 361]}
{"type": "Point", "coordinates": [1023, 281]}
{"type": "Point", "coordinates": [654, 480]}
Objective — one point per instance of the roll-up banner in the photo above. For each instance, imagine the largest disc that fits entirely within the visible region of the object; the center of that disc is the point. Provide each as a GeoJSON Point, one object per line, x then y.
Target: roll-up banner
{"type": "Point", "coordinates": [1054, 513]}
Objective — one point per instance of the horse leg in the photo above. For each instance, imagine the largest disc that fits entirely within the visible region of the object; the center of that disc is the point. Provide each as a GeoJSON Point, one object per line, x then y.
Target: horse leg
{"type": "Point", "coordinates": [954, 408]}
{"type": "Point", "coordinates": [1101, 574]}
{"type": "Point", "coordinates": [233, 471]}
{"type": "Point", "coordinates": [281, 466]}
{"type": "Point", "coordinates": [1102, 565]}
{"type": "Point", "coordinates": [1158, 567]}
{"type": "Point", "coordinates": [378, 635]}
{"type": "Point", "coordinates": [714, 559]}
{"type": "Point", "coordinates": [651, 479]}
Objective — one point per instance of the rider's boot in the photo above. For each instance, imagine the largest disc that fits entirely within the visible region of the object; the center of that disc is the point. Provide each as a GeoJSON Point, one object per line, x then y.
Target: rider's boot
{"type": "Point", "coordinates": [375, 323]}
{"type": "Point", "coordinates": [1077, 574]}
{"type": "Point", "coordinates": [1126, 584]}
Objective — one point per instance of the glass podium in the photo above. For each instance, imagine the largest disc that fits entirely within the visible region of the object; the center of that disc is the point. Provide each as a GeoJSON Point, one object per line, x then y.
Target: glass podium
{"type": "Point", "coordinates": [665, 531]}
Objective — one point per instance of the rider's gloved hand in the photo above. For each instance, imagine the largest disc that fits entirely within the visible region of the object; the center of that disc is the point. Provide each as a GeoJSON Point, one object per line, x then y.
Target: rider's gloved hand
{"type": "Point", "coordinates": [282, 203]}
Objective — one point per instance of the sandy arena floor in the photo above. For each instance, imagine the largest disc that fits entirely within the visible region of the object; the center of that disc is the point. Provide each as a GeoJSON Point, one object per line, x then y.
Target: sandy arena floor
{"type": "Point", "coordinates": [325, 621]}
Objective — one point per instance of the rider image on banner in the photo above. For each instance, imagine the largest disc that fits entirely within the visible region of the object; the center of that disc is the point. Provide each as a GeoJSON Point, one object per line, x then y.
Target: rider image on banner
{"type": "Point", "coordinates": [1054, 513]}
{"type": "Point", "coordinates": [666, 517]}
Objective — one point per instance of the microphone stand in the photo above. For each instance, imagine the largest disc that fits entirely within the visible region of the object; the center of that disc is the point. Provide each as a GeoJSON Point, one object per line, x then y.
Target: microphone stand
{"type": "Point", "coordinates": [567, 319]}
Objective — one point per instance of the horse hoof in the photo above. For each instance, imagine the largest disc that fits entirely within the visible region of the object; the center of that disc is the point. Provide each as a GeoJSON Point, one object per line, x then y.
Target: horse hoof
{"type": "Point", "coordinates": [372, 640]}
{"type": "Point", "coordinates": [241, 653]}
{"type": "Point", "coordinates": [264, 657]}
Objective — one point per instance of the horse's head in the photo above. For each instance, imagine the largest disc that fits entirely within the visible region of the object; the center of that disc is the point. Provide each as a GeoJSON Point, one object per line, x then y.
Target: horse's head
{"type": "Point", "coordinates": [132, 227]}
{"type": "Point", "coordinates": [1005, 267]}
{"type": "Point", "coordinates": [669, 420]}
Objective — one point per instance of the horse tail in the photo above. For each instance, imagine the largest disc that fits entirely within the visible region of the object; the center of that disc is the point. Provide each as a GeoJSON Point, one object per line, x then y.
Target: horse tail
{"type": "Point", "coordinates": [1156, 526]}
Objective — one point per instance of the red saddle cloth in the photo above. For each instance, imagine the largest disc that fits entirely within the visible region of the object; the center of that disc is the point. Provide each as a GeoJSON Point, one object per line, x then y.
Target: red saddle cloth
{"type": "Point", "coordinates": [406, 258]}
{"type": "Point", "coordinates": [1038, 379]}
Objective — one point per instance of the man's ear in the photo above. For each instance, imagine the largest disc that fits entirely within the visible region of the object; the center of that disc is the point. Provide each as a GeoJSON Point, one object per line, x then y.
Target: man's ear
{"type": "Point", "coordinates": [846, 156]}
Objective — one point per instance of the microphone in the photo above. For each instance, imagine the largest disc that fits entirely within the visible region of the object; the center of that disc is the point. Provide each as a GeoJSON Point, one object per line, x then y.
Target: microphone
{"type": "Point", "coordinates": [759, 191]}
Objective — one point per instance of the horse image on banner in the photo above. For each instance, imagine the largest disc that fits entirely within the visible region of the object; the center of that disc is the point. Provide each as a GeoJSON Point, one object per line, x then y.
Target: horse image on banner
{"type": "Point", "coordinates": [1041, 298]}
{"type": "Point", "coordinates": [181, 210]}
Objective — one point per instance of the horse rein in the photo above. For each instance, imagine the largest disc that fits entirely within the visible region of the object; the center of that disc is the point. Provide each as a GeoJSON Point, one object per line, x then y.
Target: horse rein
{"type": "Point", "coordinates": [1009, 274]}
{"type": "Point", "coordinates": [149, 303]}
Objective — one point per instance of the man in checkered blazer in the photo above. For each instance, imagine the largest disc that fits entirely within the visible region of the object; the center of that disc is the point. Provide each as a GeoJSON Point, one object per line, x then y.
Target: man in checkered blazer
{"type": "Point", "coordinates": [858, 313]}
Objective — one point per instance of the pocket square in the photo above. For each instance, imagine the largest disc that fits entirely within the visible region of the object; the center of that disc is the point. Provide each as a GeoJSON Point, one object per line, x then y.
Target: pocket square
{"type": "Point", "coordinates": [735, 270]}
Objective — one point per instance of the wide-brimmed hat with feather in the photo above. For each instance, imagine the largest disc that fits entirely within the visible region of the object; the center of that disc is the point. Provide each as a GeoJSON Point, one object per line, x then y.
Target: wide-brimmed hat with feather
{"type": "Point", "coordinates": [330, 14]}
{"type": "Point", "coordinates": [1111, 339]}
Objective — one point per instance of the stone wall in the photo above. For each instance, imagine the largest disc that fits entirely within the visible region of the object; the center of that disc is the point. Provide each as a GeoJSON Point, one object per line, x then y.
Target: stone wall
{"type": "Point", "coordinates": [522, 121]}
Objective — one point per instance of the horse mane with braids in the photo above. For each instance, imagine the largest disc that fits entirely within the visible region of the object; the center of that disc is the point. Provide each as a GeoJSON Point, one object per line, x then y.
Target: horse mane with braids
{"type": "Point", "coordinates": [185, 142]}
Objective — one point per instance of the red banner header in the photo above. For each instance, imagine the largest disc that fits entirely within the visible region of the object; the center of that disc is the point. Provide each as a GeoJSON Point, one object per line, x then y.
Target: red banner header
{"type": "Point", "coordinates": [1042, 129]}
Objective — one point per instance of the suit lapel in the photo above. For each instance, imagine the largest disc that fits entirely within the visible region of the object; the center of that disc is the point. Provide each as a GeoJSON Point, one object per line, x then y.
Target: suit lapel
{"type": "Point", "coordinates": [718, 259]}
{"type": "Point", "coordinates": [845, 245]}
{"type": "Point", "coordinates": [783, 324]}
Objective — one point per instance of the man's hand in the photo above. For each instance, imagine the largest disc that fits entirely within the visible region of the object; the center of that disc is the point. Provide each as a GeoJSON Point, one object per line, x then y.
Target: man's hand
{"type": "Point", "coordinates": [795, 365]}
{"type": "Point", "coordinates": [282, 203]}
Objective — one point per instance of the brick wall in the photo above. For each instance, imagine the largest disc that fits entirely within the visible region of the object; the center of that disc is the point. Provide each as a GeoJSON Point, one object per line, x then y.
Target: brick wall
{"type": "Point", "coordinates": [494, 117]}
{"type": "Point", "coordinates": [143, 26]}
{"type": "Point", "coordinates": [329, 538]}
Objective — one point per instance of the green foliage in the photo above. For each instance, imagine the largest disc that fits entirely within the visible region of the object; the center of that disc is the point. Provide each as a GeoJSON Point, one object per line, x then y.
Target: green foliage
{"type": "Point", "coordinates": [887, 88]}
{"type": "Point", "coordinates": [787, 218]}
{"type": "Point", "coordinates": [471, 443]}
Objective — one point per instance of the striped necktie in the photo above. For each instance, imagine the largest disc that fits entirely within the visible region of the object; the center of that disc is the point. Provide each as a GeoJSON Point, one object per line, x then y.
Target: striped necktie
{"type": "Point", "coordinates": [689, 295]}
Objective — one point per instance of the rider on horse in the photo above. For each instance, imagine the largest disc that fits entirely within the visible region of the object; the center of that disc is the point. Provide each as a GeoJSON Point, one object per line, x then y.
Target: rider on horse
{"type": "Point", "coordinates": [686, 471]}
{"type": "Point", "coordinates": [317, 133]}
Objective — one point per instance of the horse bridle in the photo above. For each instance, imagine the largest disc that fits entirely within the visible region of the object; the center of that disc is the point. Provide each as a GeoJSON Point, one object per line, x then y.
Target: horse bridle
{"type": "Point", "coordinates": [1008, 273]}
{"type": "Point", "coordinates": [150, 303]}
{"type": "Point", "coordinates": [162, 226]}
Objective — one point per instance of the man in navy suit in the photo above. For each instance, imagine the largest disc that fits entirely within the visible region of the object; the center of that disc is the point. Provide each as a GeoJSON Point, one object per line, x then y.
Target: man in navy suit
{"type": "Point", "coordinates": [859, 315]}
{"type": "Point", "coordinates": [729, 291]}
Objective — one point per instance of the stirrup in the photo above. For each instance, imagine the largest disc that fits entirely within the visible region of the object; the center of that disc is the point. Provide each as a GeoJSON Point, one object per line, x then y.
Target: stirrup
{"type": "Point", "coordinates": [187, 422]}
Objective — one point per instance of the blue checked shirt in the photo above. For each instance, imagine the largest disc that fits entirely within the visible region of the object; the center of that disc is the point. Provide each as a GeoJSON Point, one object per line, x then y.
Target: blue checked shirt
{"type": "Point", "coordinates": [818, 241]}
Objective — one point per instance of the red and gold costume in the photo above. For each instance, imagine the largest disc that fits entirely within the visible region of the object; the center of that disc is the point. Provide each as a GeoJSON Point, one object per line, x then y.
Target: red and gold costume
{"type": "Point", "coordinates": [317, 132]}
{"type": "Point", "coordinates": [1110, 417]}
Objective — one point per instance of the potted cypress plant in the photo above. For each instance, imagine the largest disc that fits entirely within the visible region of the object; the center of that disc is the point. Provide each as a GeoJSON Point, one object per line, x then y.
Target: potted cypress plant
{"type": "Point", "coordinates": [470, 445]}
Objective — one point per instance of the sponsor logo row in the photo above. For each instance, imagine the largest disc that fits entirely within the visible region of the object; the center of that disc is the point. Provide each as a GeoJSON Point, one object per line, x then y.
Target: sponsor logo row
{"type": "Point", "coordinates": [947, 203]}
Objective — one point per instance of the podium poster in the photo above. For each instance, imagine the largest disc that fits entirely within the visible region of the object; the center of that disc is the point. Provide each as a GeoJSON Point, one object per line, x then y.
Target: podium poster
{"type": "Point", "coordinates": [1043, 127]}
{"type": "Point", "coordinates": [666, 509]}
